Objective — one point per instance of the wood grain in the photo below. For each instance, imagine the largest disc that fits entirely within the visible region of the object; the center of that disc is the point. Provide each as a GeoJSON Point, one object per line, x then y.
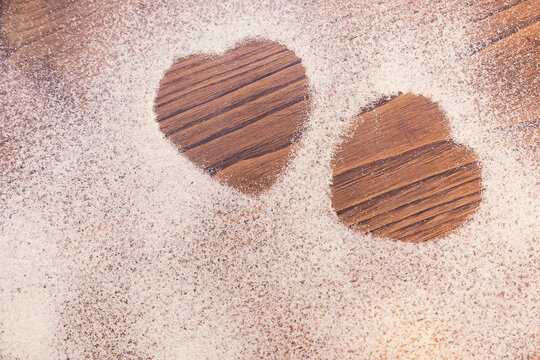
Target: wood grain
{"type": "Point", "coordinates": [410, 193]}
{"type": "Point", "coordinates": [237, 115]}
{"type": "Point", "coordinates": [50, 37]}
{"type": "Point", "coordinates": [507, 60]}
{"type": "Point", "coordinates": [401, 176]}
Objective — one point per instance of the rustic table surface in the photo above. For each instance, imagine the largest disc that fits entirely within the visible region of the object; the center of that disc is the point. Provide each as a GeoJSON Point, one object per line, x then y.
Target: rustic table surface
{"type": "Point", "coordinates": [238, 116]}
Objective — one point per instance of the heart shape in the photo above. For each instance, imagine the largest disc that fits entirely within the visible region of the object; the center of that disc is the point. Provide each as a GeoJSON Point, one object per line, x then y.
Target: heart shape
{"type": "Point", "coordinates": [402, 176]}
{"type": "Point", "coordinates": [236, 115]}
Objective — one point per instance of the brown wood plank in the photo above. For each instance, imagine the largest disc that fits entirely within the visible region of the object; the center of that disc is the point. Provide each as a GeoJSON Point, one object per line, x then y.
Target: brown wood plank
{"type": "Point", "coordinates": [503, 20]}
{"type": "Point", "coordinates": [512, 84]}
{"type": "Point", "coordinates": [27, 22]}
{"type": "Point", "coordinates": [236, 115]}
{"type": "Point", "coordinates": [401, 176]}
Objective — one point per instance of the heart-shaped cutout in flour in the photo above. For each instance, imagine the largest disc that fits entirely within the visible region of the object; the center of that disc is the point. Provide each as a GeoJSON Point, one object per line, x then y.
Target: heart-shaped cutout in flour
{"type": "Point", "coordinates": [236, 115]}
{"type": "Point", "coordinates": [402, 176]}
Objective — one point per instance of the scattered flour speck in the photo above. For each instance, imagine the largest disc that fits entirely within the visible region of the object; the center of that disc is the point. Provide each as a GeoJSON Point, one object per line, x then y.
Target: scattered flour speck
{"type": "Point", "coordinates": [114, 246]}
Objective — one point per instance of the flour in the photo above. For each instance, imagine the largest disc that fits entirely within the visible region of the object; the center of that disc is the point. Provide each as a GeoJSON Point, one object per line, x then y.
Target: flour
{"type": "Point", "coordinates": [113, 245]}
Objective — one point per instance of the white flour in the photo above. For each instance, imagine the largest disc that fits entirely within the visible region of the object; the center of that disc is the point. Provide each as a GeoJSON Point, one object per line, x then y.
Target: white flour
{"type": "Point", "coordinates": [114, 246]}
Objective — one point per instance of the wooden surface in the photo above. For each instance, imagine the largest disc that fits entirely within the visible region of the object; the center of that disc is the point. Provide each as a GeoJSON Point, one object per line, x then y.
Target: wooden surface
{"type": "Point", "coordinates": [236, 115]}
{"type": "Point", "coordinates": [389, 192]}
{"type": "Point", "coordinates": [48, 38]}
{"type": "Point", "coordinates": [401, 176]}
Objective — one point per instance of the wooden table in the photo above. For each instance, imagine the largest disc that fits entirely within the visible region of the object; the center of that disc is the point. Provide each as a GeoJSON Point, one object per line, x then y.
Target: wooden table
{"type": "Point", "coordinates": [238, 116]}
